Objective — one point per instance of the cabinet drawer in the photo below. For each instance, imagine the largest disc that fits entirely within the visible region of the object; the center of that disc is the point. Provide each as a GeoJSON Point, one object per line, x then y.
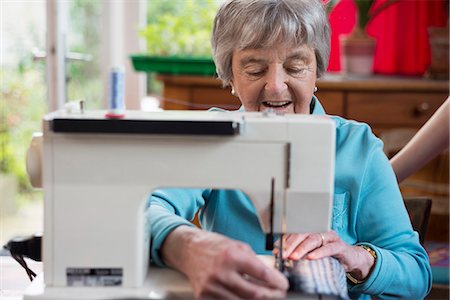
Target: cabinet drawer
{"type": "Point", "coordinates": [206, 97]}
{"type": "Point", "coordinates": [396, 109]}
{"type": "Point", "coordinates": [332, 102]}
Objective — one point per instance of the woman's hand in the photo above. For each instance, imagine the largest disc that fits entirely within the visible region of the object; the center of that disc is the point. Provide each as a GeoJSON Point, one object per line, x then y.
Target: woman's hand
{"type": "Point", "coordinates": [355, 260]}
{"type": "Point", "coordinates": [219, 267]}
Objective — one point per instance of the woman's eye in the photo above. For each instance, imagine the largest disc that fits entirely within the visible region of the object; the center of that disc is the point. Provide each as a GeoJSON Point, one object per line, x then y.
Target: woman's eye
{"type": "Point", "coordinates": [255, 73]}
{"type": "Point", "coordinates": [297, 71]}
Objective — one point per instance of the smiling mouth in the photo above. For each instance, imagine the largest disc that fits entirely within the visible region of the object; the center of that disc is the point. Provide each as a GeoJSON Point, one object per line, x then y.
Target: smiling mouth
{"type": "Point", "coordinates": [276, 104]}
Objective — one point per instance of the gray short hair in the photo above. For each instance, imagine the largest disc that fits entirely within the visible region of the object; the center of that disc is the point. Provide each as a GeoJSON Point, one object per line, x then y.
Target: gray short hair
{"type": "Point", "coordinates": [255, 24]}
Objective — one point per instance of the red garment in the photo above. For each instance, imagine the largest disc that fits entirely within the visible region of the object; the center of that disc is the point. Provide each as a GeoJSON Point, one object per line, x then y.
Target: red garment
{"type": "Point", "coordinates": [400, 30]}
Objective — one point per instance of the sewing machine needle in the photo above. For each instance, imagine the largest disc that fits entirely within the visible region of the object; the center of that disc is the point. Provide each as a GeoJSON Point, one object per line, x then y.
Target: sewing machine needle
{"type": "Point", "coordinates": [283, 235]}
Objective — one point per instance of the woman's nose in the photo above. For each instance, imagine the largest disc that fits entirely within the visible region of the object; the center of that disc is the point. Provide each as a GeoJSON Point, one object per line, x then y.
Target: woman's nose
{"type": "Point", "coordinates": [276, 80]}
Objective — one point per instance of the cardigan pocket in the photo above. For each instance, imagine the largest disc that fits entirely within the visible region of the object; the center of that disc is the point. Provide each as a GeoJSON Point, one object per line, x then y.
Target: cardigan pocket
{"type": "Point", "coordinates": [340, 211]}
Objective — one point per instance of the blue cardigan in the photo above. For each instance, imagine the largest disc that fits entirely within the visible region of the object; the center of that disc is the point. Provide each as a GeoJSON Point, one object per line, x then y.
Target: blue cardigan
{"type": "Point", "coordinates": [368, 209]}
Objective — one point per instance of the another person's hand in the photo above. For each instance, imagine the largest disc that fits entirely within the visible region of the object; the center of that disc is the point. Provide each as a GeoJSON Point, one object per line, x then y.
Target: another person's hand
{"type": "Point", "coordinates": [355, 260]}
{"type": "Point", "coordinates": [219, 267]}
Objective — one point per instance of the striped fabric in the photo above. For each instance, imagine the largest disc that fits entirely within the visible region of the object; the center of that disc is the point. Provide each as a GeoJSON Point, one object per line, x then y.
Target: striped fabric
{"type": "Point", "coordinates": [319, 277]}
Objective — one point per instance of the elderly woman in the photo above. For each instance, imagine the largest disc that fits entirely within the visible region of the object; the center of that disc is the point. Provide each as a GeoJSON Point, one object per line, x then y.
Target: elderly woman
{"type": "Point", "coordinates": [271, 53]}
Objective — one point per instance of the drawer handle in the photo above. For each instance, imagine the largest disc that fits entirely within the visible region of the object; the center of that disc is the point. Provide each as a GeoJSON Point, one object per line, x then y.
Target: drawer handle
{"type": "Point", "coordinates": [421, 109]}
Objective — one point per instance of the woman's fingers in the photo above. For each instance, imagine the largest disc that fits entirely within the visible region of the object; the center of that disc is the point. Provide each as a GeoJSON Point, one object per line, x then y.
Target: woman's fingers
{"type": "Point", "coordinates": [256, 269]}
{"type": "Point", "coordinates": [298, 249]}
{"type": "Point", "coordinates": [320, 245]}
{"type": "Point", "coordinates": [290, 244]}
{"type": "Point", "coordinates": [324, 251]}
{"type": "Point", "coordinates": [310, 242]}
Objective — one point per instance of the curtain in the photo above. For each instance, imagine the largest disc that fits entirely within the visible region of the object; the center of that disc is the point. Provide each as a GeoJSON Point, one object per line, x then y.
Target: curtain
{"type": "Point", "coordinates": [400, 31]}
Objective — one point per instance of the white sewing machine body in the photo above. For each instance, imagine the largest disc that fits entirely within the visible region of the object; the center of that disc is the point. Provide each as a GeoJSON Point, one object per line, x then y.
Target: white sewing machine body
{"type": "Point", "coordinates": [98, 174]}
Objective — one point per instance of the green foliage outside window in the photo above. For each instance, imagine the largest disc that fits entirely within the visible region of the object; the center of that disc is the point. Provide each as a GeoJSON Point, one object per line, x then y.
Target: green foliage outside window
{"type": "Point", "coordinates": [23, 94]}
{"type": "Point", "coordinates": [179, 27]}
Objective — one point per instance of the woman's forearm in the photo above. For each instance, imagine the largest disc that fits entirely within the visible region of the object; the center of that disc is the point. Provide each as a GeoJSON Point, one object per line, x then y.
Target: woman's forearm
{"type": "Point", "coordinates": [174, 250]}
{"type": "Point", "coordinates": [432, 139]}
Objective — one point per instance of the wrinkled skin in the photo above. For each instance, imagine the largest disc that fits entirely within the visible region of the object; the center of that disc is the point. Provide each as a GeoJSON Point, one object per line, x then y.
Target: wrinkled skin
{"type": "Point", "coordinates": [221, 268]}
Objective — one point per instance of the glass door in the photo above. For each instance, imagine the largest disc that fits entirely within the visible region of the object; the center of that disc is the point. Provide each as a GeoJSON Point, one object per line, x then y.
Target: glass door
{"type": "Point", "coordinates": [73, 62]}
{"type": "Point", "coordinates": [23, 102]}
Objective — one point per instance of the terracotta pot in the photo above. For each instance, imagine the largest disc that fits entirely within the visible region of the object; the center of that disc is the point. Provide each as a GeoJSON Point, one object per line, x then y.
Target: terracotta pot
{"type": "Point", "coordinates": [357, 51]}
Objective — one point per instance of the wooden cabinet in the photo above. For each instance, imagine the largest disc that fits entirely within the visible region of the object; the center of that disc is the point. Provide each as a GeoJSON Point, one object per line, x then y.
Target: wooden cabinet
{"type": "Point", "coordinates": [195, 92]}
{"type": "Point", "coordinates": [382, 102]}
{"type": "Point", "coordinates": [393, 109]}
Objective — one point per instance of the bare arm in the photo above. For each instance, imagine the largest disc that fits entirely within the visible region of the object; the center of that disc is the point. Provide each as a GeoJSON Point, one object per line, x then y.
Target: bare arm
{"type": "Point", "coordinates": [432, 139]}
{"type": "Point", "coordinates": [219, 267]}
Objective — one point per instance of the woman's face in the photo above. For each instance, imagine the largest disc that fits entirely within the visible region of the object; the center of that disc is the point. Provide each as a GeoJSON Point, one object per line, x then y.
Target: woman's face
{"type": "Point", "coordinates": [281, 78]}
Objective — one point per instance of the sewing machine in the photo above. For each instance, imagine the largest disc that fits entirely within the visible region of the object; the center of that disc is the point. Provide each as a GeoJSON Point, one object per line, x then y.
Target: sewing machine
{"type": "Point", "coordinates": [98, 174]}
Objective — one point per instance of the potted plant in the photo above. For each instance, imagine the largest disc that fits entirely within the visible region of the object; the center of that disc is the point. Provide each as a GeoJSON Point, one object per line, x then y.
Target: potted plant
{"type": "Point", "coordinates": [178, 39]}
{"type": "Point", "coordinates": [358, 48]}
